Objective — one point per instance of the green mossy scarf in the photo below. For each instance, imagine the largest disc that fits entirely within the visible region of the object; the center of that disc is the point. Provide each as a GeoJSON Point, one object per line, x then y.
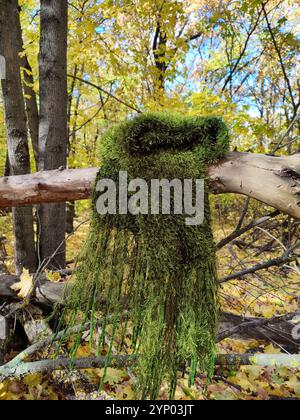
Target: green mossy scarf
{"type": "Point", "coordinates": [152, 277]}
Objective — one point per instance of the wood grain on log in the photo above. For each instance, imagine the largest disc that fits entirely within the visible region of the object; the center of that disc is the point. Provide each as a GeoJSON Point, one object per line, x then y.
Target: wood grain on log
{"type": "Point", "coordinates": [272, 180]}
{"type": "Point", "coordinates": [47, 187]}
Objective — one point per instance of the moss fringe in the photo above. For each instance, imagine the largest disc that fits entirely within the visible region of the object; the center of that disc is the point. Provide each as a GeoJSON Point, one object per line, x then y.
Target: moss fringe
{"type": "Point", "coordinates": [152, 277]}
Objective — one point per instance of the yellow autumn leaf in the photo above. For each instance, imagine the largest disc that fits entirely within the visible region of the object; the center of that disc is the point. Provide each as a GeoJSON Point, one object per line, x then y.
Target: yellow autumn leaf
{"type": "Point", "coordinates": [127, 393]}
{"type": "Point", "coordinates": [254, 372]}
{"type": "Point", "coordinates": [242, 380]}
{"type": "Point", "coordinates": [226, 395]}
{"type": "Point", "coordinates": [278, 391]}
{"type": "Point", "coordinates": [294, 384]}
{"type": "Point", "coordinates": [24, 286]}
{"type": "Point", "coordinates": [3, 390]}
{"type": "Point", "coordinates": [54, 276]}
{"type": "Point", "coordinates": [84, 350]}
{"type": "Point", "coordinates": [271, 350]}
{"type": "Point", "coordinates": [33, 380]}
{"type": "Point", "coordinates": [268, 311]}
{"type": "Point", "coordinates": [9, 396]}
{"type": "Point", "coordinates": [113, 376]}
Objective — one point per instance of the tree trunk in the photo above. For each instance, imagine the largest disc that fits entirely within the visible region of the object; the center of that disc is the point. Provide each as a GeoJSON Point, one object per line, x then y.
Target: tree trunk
{"type": "Point", "coordinates": [53, 122]}
{"type": "Point", "coordinates": [31, 107]}
{"type": "Point", "coordinates": [30, 97]}
{"type": "Point", "coordinates": [15, 118]}
{"type": "Point", "coordinates": [71, 213]}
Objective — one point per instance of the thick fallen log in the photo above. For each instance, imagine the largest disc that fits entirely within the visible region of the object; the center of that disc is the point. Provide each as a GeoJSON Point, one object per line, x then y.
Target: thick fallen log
{"type": "Point", "coordinates": [272, 180]}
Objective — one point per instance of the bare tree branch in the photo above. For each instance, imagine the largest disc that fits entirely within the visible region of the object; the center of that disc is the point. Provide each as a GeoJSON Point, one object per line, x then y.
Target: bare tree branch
{"type": "Point", "coordinates": [253, 324]}
{"type": "Point", "coordinates": [121, 361]}
{"type": "Point", "coordinates": [250, 33]}
{"type": "Point", "coordinates": [99, 88]}
{"type": "Point", "coordinates": [295, 106]}
{"type": "Point", "coordinates": [276, 262]}
{"type": "Point", "coordinates": [241, 231]}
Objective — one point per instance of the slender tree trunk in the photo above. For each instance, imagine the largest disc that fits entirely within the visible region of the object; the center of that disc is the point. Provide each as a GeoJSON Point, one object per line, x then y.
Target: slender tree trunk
{"type": "Point", "coordinates": [159, 52]}
{"type": "Point", "coordinates": [31, 107]}
{"type": "Point", "coordinates": [30, 97]}
{"type": "Point", "coordinates": [17, 142]}
{"type": "Point", "coordinates": [71, 139]}
{"type": "Point", "coordinates": [53, 131]}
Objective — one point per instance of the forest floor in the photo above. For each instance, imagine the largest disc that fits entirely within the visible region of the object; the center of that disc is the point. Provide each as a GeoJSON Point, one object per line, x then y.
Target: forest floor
{"type": "Point", "coordinates": [265, 294]}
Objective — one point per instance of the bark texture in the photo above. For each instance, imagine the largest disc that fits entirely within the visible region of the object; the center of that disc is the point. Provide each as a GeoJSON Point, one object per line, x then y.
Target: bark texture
{"type": "Point", "coordinates": [29, 96]}
{"type": "Point", "coordinates": [15, 119]}
{"type": "Point", "coordinates": [53, 122]}
{"type": "Point", "coordinates": [272, 180]}
{"type": "Point", "coordinates": [31, 107]}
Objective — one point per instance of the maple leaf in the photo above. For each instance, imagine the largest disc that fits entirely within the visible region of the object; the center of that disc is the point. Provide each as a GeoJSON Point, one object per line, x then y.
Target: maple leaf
{"type": "Point", "coordinates": [24, 286]}
{"type": "Point", "coordinates": [294, 384]}
{"type": "Point", "coordinates": [243, 381]}
{"type": "Point", "coordinates": [271, 350]}
{"type": "Point", "coordinates": [113, 376]}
